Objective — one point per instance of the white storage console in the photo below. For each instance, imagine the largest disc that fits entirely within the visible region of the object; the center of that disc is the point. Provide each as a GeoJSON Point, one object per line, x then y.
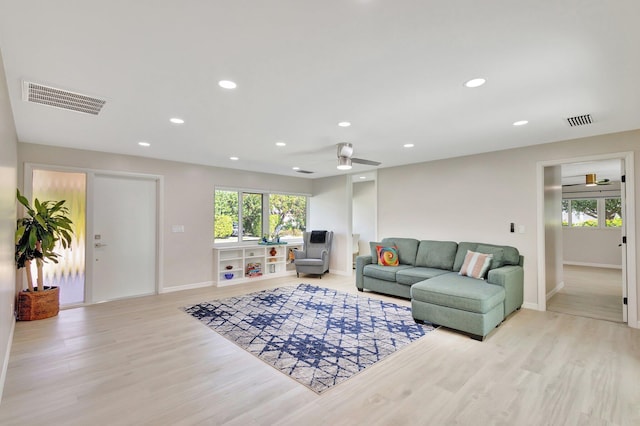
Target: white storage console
{"type": "Point", "coordinates": [242, 263]}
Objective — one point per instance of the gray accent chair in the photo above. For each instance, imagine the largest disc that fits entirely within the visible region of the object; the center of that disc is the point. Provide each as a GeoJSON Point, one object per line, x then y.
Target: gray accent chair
{"type": "Point", "coordinates": [314, 257]}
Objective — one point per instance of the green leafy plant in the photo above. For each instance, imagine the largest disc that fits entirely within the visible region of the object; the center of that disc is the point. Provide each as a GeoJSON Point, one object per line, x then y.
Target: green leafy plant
{"type": "Point", "coordinates": [46, 223]}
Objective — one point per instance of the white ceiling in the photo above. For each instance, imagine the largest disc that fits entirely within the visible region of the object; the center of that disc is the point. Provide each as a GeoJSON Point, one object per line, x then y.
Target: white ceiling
{"type": "Point", "coordinates": [395, 69]}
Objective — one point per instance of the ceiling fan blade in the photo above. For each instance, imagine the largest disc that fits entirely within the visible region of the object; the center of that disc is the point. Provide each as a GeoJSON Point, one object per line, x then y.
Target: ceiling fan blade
{"type": "Point", "coordinates": [367, 162]}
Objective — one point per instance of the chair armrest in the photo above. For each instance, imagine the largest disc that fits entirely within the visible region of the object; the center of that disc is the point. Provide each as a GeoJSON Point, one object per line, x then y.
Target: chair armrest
{"type": "Point", "coordinates": [361, 261]}
{"type": "Point", "coordinates": [512, 279]}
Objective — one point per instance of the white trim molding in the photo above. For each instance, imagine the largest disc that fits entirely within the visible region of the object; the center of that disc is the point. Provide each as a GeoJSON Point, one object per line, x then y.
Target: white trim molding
{"type": "Point", "coordinates": [175, 288]}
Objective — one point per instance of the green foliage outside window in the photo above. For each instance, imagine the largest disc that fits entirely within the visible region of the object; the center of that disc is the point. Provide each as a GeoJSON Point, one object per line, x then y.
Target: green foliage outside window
{"type": "Point", "coordinates": [585, 212]}
{"type": "Point", "coordinates": [223, 226]}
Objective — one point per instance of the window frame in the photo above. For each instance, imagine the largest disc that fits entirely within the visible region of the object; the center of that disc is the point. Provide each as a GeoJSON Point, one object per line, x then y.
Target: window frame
{"type": "Point", "coordinates": [265, 213]}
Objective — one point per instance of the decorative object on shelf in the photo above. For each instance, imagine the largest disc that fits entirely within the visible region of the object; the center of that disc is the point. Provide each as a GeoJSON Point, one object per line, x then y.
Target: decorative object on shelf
{"type": "Point", "coordinates": [36, 237]}
{"type": "Point", "coordinates": [273, 251]}
{"type": "Point", "coordinates": [254, 269]}
{"type": "Point", "coordinates": [272, 268]}
{"type": "Point", "coordinates": [272, 243]}
{"type": "Point", "coordinates": [292, 255]}
{"type": "Point", "coordinates": [229, 267]}
{"type": "Point", "coordinates": [228, 275]}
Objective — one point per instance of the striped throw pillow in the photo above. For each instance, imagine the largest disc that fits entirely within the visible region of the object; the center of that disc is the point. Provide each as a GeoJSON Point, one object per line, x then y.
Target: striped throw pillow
{"type": "Point", "coordinates": [475, 264]}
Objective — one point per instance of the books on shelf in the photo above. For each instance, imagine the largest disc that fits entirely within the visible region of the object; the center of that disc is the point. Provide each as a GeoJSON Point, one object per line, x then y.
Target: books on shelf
{"type": "Point", "coordinates": [254, 269]}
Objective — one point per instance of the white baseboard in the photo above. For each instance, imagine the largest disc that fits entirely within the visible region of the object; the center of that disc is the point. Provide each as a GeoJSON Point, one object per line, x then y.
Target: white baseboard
{"type": "Point", "coordinates": [187, 287]}
{"type": "Point", "coordinates": [5, 364]}
{"type": "Point", "coordinates": [532, 306]}
{"type": "Point", "coordinates": [559, 287]}
{"type": "Point", "coordinates": [593, 265]}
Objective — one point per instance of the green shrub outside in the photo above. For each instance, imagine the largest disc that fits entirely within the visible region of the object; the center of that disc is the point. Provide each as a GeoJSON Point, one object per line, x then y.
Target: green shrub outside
{"type": "Point", "coordinates": [223, 226]}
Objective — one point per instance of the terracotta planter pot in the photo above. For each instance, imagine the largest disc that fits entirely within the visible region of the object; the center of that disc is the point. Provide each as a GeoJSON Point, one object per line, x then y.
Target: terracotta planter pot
{"type": "Point", "coordinates": [38, 304]}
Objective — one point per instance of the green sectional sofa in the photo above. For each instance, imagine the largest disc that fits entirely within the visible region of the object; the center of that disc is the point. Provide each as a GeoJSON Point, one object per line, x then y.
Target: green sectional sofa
{"type": "Point", "coordinates": [428, 274]}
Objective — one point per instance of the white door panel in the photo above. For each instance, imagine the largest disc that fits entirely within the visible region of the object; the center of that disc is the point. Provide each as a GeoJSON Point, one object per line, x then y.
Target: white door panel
{"type": "Point", "coordinates": [124, 237]}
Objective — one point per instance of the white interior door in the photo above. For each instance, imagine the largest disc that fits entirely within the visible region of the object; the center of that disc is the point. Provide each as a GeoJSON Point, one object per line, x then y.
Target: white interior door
{"type": "Point", "coordinates": [124, 237]}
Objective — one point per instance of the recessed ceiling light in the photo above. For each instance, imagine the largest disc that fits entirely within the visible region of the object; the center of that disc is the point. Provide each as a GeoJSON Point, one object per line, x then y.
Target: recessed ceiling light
{"type": "Point", "coordinates": [296, 168]}
{"type": "Point", "coordinates": [145, 144]}
{"type": "Point", "coordinates": [408, 145]}
{"type": "Point", "coordinates": [234, 158]}
{"type": "Point", "coordinates": [363, 177]}
{"type": "Point", "coordinates": [520, 123]}
{"type": "Point", "coordinates": [344, 124]}
{"type": "Point", "coordinates": [281, 143]}
{"type": "Point", "coordinates": [227, 84]}
{"type": "Point", "coordinates": [475, 82]}
{"type": "Point", "coordinates": [176, 120]}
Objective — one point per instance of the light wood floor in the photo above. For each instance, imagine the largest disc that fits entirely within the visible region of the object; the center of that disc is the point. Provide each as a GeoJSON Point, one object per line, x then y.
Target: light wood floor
{"type": "Point", "coordinates": [589, 292]}
{"type": "Point", "coordinates": [144, 362]}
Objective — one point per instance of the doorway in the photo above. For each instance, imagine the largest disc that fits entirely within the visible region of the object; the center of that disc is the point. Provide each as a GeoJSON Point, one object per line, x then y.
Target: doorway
{"type": "Point", "coordinates": [583, 263]}
{"type": "Point", "coordinates": [363, 212]}
{"type": "Point", "coordinates": [116, 246]}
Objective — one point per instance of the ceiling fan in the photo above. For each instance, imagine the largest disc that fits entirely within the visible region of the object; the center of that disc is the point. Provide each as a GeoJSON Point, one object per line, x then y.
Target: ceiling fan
{"type": "Point", "coordinates": [590, 179]}
{"type": "Point", "coordinates": [345, 152]}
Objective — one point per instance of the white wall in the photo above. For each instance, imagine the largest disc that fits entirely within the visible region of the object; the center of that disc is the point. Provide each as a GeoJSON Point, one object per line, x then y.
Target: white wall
{"type": "Point", "coordinates": [188, 200]}
{"type": "Point", "coordinates": [592, 246]}
{"type": "Point", "coordinates": [330, 209]}
{"type": "Point", "coordinates": [8, 165]}
{"type": "Point", "coordinates": [364, 207]}
{"type": "Point", "coordinates": [474, 198]}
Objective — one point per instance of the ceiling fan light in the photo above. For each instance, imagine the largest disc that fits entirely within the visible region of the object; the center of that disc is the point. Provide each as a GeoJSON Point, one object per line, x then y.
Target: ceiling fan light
{"type": "Point", "coordinates": [590, 180]}
{"type": "Point", "coordinates": [344, 163]}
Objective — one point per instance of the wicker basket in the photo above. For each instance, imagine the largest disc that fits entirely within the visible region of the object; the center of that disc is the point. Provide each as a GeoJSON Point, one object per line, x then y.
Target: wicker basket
{"type": "Point", "coordinates": [38, 304]}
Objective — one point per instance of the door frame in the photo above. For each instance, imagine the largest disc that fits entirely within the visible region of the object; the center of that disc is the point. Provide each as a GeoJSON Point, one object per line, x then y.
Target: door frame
{"type": "Point", "coordinates": [632, 297]}
{"type": "Point", "coordinates": [89, 248]}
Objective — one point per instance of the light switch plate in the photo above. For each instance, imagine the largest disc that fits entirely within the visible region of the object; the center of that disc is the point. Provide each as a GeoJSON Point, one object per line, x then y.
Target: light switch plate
{"type": "Point", "coordinates": [177, 228]}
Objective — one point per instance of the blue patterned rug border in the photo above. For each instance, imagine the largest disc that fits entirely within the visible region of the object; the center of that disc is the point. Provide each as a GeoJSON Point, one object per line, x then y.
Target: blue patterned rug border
{"type": "Point", "coordinates": [318, 336]}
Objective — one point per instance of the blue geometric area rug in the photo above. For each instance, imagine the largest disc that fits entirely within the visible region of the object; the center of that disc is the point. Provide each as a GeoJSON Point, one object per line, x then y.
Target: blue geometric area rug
{"type": "Point", "coordinates": [318, 336]}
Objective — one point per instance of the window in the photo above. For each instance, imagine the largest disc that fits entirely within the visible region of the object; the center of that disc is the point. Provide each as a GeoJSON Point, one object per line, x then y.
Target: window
{"type": "Point", "coordinates": [613, 212]}
{"type": "Point", "coordinates": [249, 215]}
{"type": "Point", "coordinates": [287, 216]}
{"type": "Point", "coordinates": [592, 213]}
{"type": "Point", "coordinates": [226, 215]}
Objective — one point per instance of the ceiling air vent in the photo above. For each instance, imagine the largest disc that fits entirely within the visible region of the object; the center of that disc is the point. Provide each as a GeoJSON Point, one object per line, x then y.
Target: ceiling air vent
{"type": "Point", "coordinates": [306, 172]}
{"type": "Point", "coordinates": [580, 120]}
{"type": "Point", "coordinates": [58, 98]}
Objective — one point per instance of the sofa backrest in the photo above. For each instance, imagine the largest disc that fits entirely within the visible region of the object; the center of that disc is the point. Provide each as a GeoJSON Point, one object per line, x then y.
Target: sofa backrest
{"type": "Point", "coordinates": [502, 255]}
{"type": "Point", "coordinates": [436, 254]}
{"type": "Point", "coordinates": [407, 249]}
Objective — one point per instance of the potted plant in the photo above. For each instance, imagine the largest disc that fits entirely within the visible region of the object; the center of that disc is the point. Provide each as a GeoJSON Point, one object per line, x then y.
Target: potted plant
{"type": "Point", "coordinates": [46, 223]}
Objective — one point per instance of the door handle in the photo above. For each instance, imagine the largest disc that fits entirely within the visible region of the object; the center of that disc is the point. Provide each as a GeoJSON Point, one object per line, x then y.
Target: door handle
{"type": "Point", "coordinates": [98, 245]}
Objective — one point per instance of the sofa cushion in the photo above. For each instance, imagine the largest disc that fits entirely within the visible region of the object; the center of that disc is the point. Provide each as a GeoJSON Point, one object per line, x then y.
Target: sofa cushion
{"type": "Point", "coordinates": [387, 256]}
{"type": "Point", "coordinates": [475, 264]}
{"type": "Point", "coordinates": [459, 292]}
{"type": "Point", "coordinates": [436, 254]}
{"type": "Point", "coordinates": [411, 276]}
{"type": "Point", "coordinates": [511, 254]}
{"type": "Point", "coordinates": [387, 273]}
{"type": "Point", "coordinates": [496, 252]}
{"type": "Point", "coordinates": [407, 248]}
